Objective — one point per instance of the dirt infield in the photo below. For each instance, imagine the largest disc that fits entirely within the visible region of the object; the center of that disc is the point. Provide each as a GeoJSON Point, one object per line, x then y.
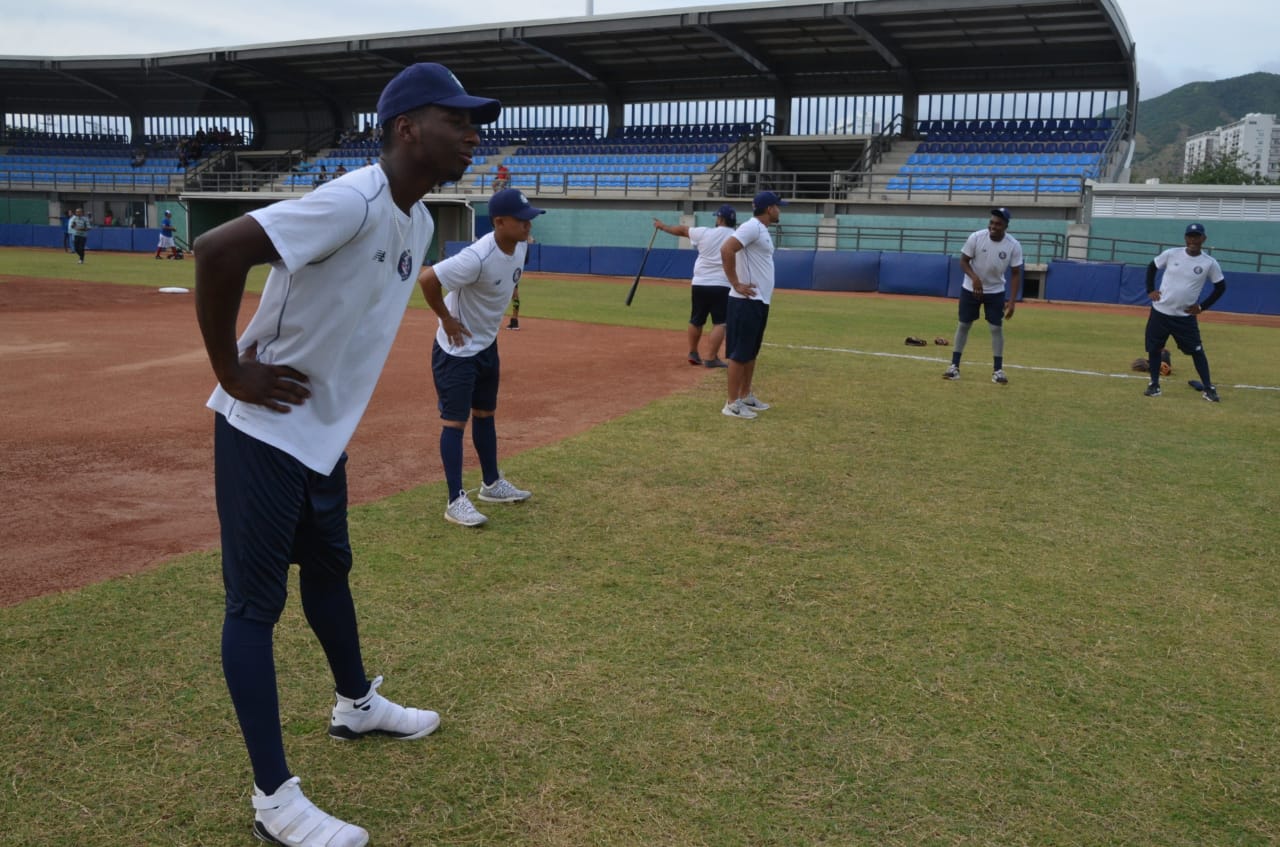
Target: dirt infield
{"type": "Point", "coordinates": [106, 445]}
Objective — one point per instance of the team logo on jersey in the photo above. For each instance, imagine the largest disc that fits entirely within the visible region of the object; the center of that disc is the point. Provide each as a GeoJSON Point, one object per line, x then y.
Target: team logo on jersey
{"type": "Point", "coordinates": [380, 255]}
{"type": "Point", "coordinates": [1197, 269]}
{"type": "Point", "coordinates": [405, 266]}
{"type": "Point", "coordinates": [1003, 255]}
{"type": "Point", "coordinates": [515, 277]}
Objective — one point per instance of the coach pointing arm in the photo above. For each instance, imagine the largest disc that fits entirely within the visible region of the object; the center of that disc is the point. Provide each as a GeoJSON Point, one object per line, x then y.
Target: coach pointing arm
{"type": "Point", "coordinates": [223, 258]}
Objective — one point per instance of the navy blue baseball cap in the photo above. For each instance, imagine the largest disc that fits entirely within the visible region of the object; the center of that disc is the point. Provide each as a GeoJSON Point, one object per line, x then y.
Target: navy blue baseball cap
{"type": "Point", "coordinates": [1002, 212]}
{"type": "Point", "coordinates": [511, 203]}
{"type": "Point", "coordinates": [765, 199]}
{"type": "Point", "coordinates": [426, 84]}
{"type": "Point", "coordinates": [727, 213]}
{"type": "Point", "coordinates": [1195, 229]}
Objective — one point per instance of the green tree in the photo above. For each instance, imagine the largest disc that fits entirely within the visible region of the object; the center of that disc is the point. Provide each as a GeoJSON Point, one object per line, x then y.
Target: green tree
{"type": "Point", "coordinates": [1225, 169]}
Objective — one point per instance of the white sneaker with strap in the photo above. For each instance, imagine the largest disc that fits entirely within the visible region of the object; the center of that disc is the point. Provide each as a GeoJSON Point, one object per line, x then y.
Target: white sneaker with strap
{"type": "Point", "coordinates": [374, 714]}
{"type": "Point", "coordinates": [288, 817]}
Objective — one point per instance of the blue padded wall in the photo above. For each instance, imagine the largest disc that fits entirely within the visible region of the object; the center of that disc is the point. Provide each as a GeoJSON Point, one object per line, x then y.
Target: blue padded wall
{"type": "Point", "coordinates": [616, 261]}
{"type": "Point", "coordinates": [846, 271]}
{"type": "Point", "coordinates": [20, 235]}
{"type": "Point", "coordinates": [1088, 282]}
{"type": "Point", "coordinates": [669, 263]}
{"type": "Point", "coordinates": [914, 273]}
{"type": "Point", "coordinates": [1133, 286]}
{"type": "Point", "coordinates": [792, 269]}
{"type": "Point", "coordinates": [533, 259]}
{"type": "Point", "coordinates": [46, 236]}
{"type": "Point", "coordinates": [118, 238]}
{"type": "Point", "coordinates": [567, 260]}
{"type": "Point", "coordinates": [1252, 293]}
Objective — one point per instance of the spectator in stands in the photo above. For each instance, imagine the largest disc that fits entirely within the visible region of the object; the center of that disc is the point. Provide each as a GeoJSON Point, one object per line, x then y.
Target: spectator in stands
{"type": "Point", "coordinates": [502, 178]}
{"type": "Point", "coordinates": [341, 170]}
{"type": "Point", "coordinates": [139, 158]}
{"type": "Point", "coordinates": [747, 314]}
{"type": "Point", "coordinates": [282, 423]}
{"type": "Point", "coordinates": [367, 161]}
{"type": "Point", "coordinates": [709, 293]}
{"type": "Point", "coordinates": [108, 219]}
{"type": "Point", "coordinates": [985, 258]}
{"type": "Point", "coordinates": [1174, 305]}
{"type": "Point", "coordinates": [322, 176]}
{"type": "Point", "coordinates": [78, 225]}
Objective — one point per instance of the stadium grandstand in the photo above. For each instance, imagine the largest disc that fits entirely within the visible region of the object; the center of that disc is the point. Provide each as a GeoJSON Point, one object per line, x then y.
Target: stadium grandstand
{"type": "Point", "coordinates": [889, 126]}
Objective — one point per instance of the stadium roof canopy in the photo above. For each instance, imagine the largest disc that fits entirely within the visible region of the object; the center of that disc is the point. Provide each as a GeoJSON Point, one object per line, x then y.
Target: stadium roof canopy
{"type": "Point", "coordinates": [769, 50]}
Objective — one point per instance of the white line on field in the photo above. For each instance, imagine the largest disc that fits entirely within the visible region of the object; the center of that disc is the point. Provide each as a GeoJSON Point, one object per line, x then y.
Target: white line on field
{"type": "Point", "coordinates": [1007, 365]}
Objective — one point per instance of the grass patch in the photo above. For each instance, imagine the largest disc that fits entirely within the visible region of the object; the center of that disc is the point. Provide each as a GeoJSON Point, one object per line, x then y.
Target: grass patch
{"type": "Point", "coordinates": [891, 611]}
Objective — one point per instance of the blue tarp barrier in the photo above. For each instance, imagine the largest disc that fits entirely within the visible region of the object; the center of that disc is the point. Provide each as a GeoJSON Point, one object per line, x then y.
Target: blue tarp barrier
{"type": "Point", "coordinates": [843, 271]}
{"type": "Point", "coordinates": [914, 273]}
{"type": "Point", "coordinates": [617, 261]}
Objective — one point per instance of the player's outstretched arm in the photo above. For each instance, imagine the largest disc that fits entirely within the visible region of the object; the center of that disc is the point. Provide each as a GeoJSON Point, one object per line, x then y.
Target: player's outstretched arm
{"type": "Point", "coordinates": [224, 256]}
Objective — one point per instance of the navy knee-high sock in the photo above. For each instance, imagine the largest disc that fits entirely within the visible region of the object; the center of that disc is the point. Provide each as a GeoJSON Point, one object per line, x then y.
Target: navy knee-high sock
{"type": "Point", "coordinates": [451, 458]}
{"type": "Point", "coordinates": [1201, 361]}
{"type": "Point", "coordinates": [249, 666]}
{"type": "Point", "coordinates": [327, 604]}
{"type": "Point", "coordinates": [484, 436]}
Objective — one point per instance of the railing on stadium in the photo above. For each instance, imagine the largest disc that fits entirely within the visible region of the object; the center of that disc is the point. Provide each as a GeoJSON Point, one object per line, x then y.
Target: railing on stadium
{"type": "Point", "coordinates": [1131, 252]}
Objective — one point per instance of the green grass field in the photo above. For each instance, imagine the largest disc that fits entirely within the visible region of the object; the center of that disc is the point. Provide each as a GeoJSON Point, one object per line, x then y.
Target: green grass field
{"type": "Point", "coordinates": [892, 611]}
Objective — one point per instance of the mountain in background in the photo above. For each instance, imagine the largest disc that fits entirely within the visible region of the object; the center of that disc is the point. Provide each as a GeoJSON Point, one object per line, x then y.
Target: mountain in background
{"type": "Point", "coordinates": [1165, 122]}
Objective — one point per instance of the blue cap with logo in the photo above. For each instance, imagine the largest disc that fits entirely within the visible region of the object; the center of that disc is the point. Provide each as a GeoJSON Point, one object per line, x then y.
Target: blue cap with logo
{"type": "Point", "coordinates": [1002, 212]}
{"type": "Point", "coordinates": [1195, 229]}
{"type": "Point", "coordinates": [765, 199]}
{"type": "Point", "coordinates": [426, 84]}
{"type": "Point", "coordinates": [511, 203]}
{"type": "Point", "coordinates": [727, 214]}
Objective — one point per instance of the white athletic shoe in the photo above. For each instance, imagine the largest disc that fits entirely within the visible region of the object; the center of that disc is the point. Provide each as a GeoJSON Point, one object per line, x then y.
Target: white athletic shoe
{"type": "Point", "coordinates": [737, 410]}
{"type": "Point", "coordinates": [288, 817]}
{"type": "Point", "coordinates": [374, 714]}
{"type": "Point", "coordinates": [503, 492]}
{"type": "Point", "coordinates": [754, 404]}
{"type": "Point", "coordinates": [998, 377]}
{"type": "Point", "coordinates": [952, 372]}
{"type": "Point", "coordinates": [462, 511]}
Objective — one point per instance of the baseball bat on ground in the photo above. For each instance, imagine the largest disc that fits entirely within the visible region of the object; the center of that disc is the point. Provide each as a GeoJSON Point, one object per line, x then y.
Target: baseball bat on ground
{"type": "Point", "coordinates": [632, 293]}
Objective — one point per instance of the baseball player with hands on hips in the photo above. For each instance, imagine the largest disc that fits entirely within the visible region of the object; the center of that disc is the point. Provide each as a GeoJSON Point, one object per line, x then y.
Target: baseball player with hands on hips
{"type": "Point", "coordinates": [1187, 270]}
{"type": "Point", "coordinates": [985, 258]}
{"type": "Point", "coordinates": [464, 358]}
{"type": "Point", "coordinates": [747, 257]}
{"type": "Point", "coordinates": [291, 391]}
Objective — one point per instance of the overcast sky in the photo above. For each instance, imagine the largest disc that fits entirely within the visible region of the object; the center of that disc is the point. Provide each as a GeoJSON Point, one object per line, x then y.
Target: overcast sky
{"type": "Point", "coordinates": [1178, 41]}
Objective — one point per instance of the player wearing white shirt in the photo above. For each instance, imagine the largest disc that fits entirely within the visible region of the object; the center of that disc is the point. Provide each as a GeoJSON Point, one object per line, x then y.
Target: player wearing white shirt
{"type": "Point", "coordinates": [709, 294]}
{"type": "Point", "coordinates": [751, 280]}
{"type": "Point", "coordinates": [464, 358]}
{"type": "Point", "coordinates": [290, 393]}
{"type": "Point", "coordinates": [1174, 305]}
{"type": "Point", "coordinates": [986, 257]}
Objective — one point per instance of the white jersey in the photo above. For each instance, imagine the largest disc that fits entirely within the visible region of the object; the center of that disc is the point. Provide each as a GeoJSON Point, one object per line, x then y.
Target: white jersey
{"type": "Point", "coordinates": [349, 259]}
{"type": "Point", "coordinates": [991, 259]}
{"type": "Point", "coordinates": [754, 262]}
{"type": "Point", "coordinates": [479, 282]}
{"type": "Point", "coordinates": [1185, 277]}
{"type": "Point", "coordinates": [708, 269]}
